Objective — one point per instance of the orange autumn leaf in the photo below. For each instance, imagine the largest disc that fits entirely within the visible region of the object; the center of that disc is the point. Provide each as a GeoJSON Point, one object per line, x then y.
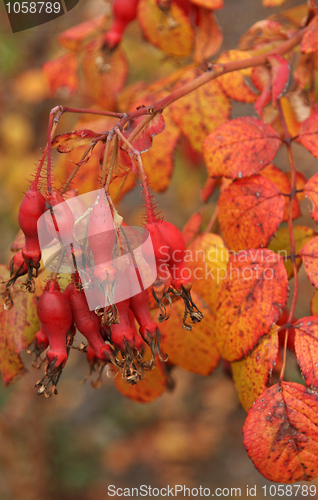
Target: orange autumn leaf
{"type": "Point", "coordinates": [250, 301]}
{"type": "Point", "coordinates": [309, 254]}
{"type": "Point", "coordinates": [261, 33]}
{"type": "Point", "coordinates": [207, 258]}
{"type": "Point", "coordinates": [159, 160]}
{"type": "Point", "coordinates": [104, 74]}
{"type": "Point", "coordinates": [209, 4]}
{"type": "Point", "coordinates": [75, 37]}
{"type": "Point", "coordinates": [170, 30]}
{"type": "Point", "coordinates": [252, 375]}
{"type": "Point", "coordinates": [62, 73]}
{"type": "Point", "coordinates": [240, 147]}
{"type": "Point", "coordinates": [280, 433]}
{"type": "Point", "coordinates": [311, 190]}
{"type": "Point", "coordinates": [234, 84]}
{"type": "Point", "coordinates": [280, 179]}
{"type": "Point", "coordinates": [281, 244]}
{"type": "Point", "coordinates": [293, 125]}
{"type": "Point", "coordinates": [18, 327]}
{"type": "Point", "coordinates": [209, 37]}
{"type": "Point", "coordinates": [308, 134]}
{"type": "Point", "coordinates": [147, 390]}
{"type": "Point", "coordinates": [309, 42]}
{"type": "Point", "coordinates": [272, 3]}
{"type": "Point", "coordinates": [199, 112]}
{"type": "Point", "coordinates": [250, 211]}
{"type": "Point", "coordinates": [306, 348]}
{"type": "Point", "coordinates": [194, 351]}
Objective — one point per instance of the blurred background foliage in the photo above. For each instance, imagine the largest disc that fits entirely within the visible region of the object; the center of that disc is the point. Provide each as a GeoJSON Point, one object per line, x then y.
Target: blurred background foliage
{"type": "Point", "coordinates": [74, 445]}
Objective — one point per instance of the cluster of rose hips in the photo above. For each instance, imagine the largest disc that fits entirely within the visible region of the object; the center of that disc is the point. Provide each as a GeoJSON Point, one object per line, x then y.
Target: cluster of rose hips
{"type": "Point", "coordinates": [110, 330]}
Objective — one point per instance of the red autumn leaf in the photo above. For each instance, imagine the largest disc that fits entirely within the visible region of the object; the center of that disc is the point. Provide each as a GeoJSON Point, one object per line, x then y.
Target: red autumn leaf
{"type": "Point", "coordinates": [308, 134]}
{"type": "Point", "coordinates": [281, 244]}
{"type": "Point", "coordinates": [240, 147]}
{"type": "Point", "coordinates": [147, 390]}
{"type": "Point", "coordinates": [209, 37]}
{"type": "Point", "coordinates": [280, 433]}
{"type": "Point", "coordinates": [252, 295]}
{"type": "Point", "coordinates": [306, 348]}
{"type": "Point", "coordinates": [194, 351]}
{"type": "Point", "coordinates": [199, 112]}
{"type": "Point", "coordinates": [250, 211]}
{"type": "Point", "coordinates": [143, 141]}
{"type": "Point", "coordinates": [311, 190]}
{"type": "Point", "coordinates": [104, 73]}
{"type": "Point", "coordinates": [309, 254]}
{"type": "Point", "coordinates": [209, 4]}
{"type": "Point", "coordinates": [67, 142]}
{"type": "Point", "coordinates": [18, 327]}
{"type": "Point", "coordinates": [234, 83]}
{"type": "Point", "coordinates": [192, 227]}
{"type": "Point", "coordinates": [62, 73]}
{"type": "Point", "coordinates": [262, 80]}
{"type": "Point", "coordinates": [281, 180]}
{"type": "Point", "coordinates": [309, 42]}
{"type": "Point", "coordinates": [207, 258]}
{"type": "Point", "coordinates": [252, 375]}
{"type": "Point", "coordinates": [170, 31]}
{"type": "Point", "coordinates": [75, 37]}
{"type": "Point", "coordinates": [280, 71]}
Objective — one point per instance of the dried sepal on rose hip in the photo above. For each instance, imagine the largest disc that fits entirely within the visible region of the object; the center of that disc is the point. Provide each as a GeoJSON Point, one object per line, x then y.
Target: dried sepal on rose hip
{"type": "Point", "coordinates": [17, 268]}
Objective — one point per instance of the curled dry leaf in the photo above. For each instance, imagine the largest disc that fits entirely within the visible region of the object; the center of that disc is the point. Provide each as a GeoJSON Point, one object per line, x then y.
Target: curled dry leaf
{"type": "Point", "coordinates": [262, 80]}
{"type": "Point", "coordinates": [240, 147]}
{"type": "Point", "coordinates": [252, 296]}
{"type": "Point", "coordinates": [280, 433]}
{"type": "Point", "coordinates": [280, 72]}
{"type": "Point", "coordinates": [250, 211]}
{"type": "Point", "coordinates": [252, 374]}
{"type": "Point", "coordinates": [67, 142]}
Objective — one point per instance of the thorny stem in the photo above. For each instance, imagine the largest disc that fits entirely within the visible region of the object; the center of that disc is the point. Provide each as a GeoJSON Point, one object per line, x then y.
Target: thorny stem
{"type": "Point", "coordinates": [150, 212]}
{"type": "Point", "coordinates": [113, 164]}
{"type": "Point", "coordinates": [49, 143]}
{"type": "Point", "coordinates": [290, 227]}
{"type": "Point", "coordinates": [106, 154]}
{"type": "Point", "coordinates": [212, 220]}
{"type": "Point", "coordinates": [51, 134]}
